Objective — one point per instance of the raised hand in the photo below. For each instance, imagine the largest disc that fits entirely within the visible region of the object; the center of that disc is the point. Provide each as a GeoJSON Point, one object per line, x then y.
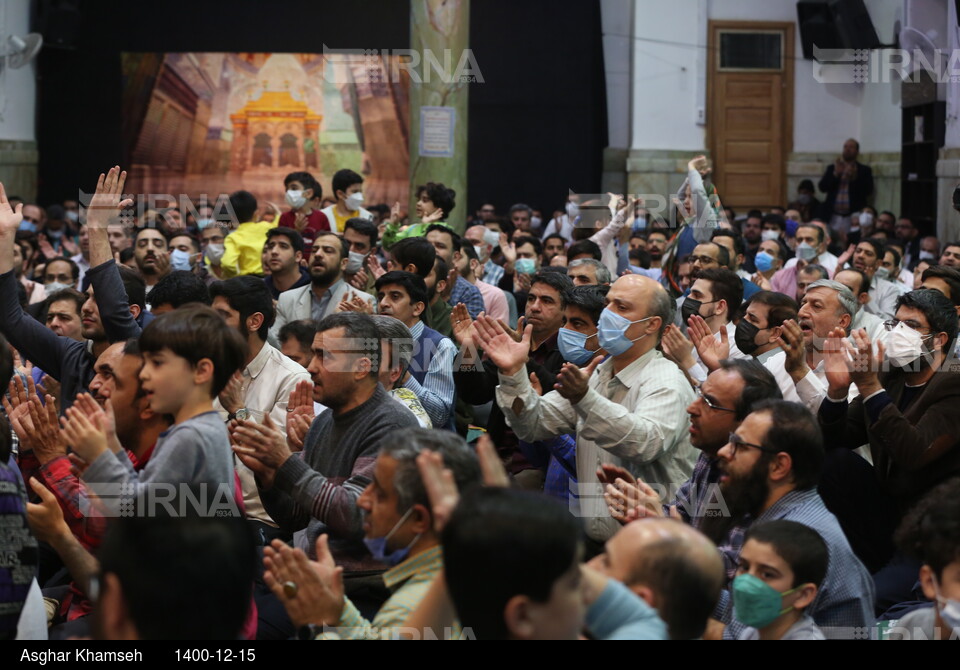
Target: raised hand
{"type": "Point", "coordinates": [491, 466]}
{"type": "Point", "coordinates": [627, 502]}
{"type": "Point", "coordinates": [677, 348]}
{"type": "Point", "coordinates": [358, 279]}
{"type": "Point", "coordinates": [434, 216]}
{"type": "Point", "coordinates": [700, 164]}
{"type": "Point", "coordinates": [311, 591]}
{"type": "Point", "coordinates": [836, 364]}
{"type": "Point", "coordinates": [101, 416]}
{"type": "Point", "coordinates": [440, 485]}
{"type": "Point", "coordinates": [845, 257]}
{"type": "Point", "coordinates": [231, 397]}
{"type": "Point", "coordinates": [47, 439]}
{"type": "Point", "coordinates": [299, 221]}
{"type": "Point", "coordinates": [505, 352]}
{"type": "Point", "coordinates": [573, 382]}
{"type": "Point", "coordinates": [762, 282]}
{"type": "Point", "coordinates": [106, 202]}
{"type": "Point", "coordinates": [395, 213]}
{"type": "Point", "coordinates": [299, 414]}
{"type": "Point", "coordinates": [865, 365]}
{"type": "Point", "coordinates": [355, 304]}
{"type": "Point", "coordinates": [711, 352]}
{"type": "Point", "coordinates": [374, 266]}
{"type": "Point", "coordinates": [9, 218]}
{"type": "Point", "coordinates": [87, 439]}
{"type": "Point", "coordinates": [463, 331]}
{"type": "Point", "coordinates": [791, 341]}
{"type": "Point", "coordinates": [508, 248]}
{"type": "Point", "coordinates": [264, 442]}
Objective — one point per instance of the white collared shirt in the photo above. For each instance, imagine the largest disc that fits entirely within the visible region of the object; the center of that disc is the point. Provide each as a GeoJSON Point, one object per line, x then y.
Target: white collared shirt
{"type": "Point", "coordinates": [267, 380]}
{"type": "Point", "coordinates": [636, 419]}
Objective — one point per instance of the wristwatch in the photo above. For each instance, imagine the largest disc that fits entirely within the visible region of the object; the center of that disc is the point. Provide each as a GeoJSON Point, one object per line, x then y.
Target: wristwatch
{"type": "Point", "coordinates": [241, 414]}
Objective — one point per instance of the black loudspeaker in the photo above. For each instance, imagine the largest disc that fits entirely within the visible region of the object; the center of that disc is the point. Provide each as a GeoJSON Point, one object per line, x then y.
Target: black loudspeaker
{"type": "Point", "coordinates": [854, 24]}
{"type": "Point", "coordinates": [817, 27]}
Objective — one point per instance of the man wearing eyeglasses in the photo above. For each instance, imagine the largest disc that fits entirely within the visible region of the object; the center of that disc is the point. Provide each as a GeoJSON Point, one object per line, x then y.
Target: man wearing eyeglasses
{"type": "Point", "coordinates": [770, 468]}
{"type": "Point", "coordinates": [907, 409]}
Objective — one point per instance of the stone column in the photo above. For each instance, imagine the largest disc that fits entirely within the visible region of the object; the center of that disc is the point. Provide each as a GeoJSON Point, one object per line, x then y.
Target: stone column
{"type": "Point", "coordinates": [439, 36]}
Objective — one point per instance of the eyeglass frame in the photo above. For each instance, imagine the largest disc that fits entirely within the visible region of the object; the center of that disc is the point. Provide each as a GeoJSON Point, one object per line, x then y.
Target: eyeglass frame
{"type": "Point", "coordinates": [709, 403]}
{"type": "Point", "coordinates": [890, 324]}
{"type": "Point", "coordinates": [736, 442]}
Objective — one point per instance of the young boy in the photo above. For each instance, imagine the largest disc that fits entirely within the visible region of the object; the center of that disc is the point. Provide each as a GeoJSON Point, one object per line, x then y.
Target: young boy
{"type": "Point", "coordinates": [243, 247]}
{"type": "Point", "coordinates": [781, 567]}
{"type": "Point", "coordinates": [303, 192]}
{"type": "Point", "coordinates": [189, 356]}
{"type": "Point", "coordinates": [931, 532]}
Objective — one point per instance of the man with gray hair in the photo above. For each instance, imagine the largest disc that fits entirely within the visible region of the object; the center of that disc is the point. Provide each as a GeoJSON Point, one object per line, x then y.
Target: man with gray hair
{"type": "Point", "coordinates": [827, 305]}
{"type": "Point", "coordinates": [629, 410]}
{"type": "Point", "coordinates": [588, 272]}
{"type": "Point", "coordinates": [396, 345]}
{"type": "Point", "coordinates": [399, 530]}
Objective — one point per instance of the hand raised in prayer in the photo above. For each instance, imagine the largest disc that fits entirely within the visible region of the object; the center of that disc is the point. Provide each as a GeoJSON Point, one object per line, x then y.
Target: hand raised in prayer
{"type": "Point", "coordinates": [491, 465]}
{"type": "Point", "coordinates": [9, 218]}
{"type": "Point", "coordinates": [101, 416]}
{"type": "Point", "coordinates": [792, 343]}
{"type": "Point", "coordinates": [299, 414]}
{"type": "Point", "coordinates": [508, 248]}
{"type": "Point", "coordinates": [628, 502]}
{"type": "Point", "coordinates": [47, 439]}
{"type": "Point", "coordinates": [440, 486]}
{"type": "Point", "coordinates": [46, 517]}
{"type": "Point", "coordinates": [374, 266]}
{"type": "Point", "coordinates": [864, 364]}
{"type": "Point", "coordinates": [573, 382]}
{"type": "Point", "coordinates": [462, 323]}
{"type": "Point", "coordinates": [358, 279]}
{"type": "Point", "coordinates": [836, 364]}
{"type": "Point", "coordinates": [355, 304]}
{"type": "Point", "coordinates": [231, 397]}
{"type": "Point", "coordinates": [608, 473]}
{"type": "Point", "coordinates": [264, 442]}
{"type": "Point", "coordinates": [710, 350]}
{"type": "Point", "coordinates": [106, 202]}
{"type": "Point", "coordinates": [311, 591]}
{"type": "Point", "coordinates": [87, 438]}
{"type": "Point", "coordinates": [677, 348]}
{"type": "Point", "coordinates": [505, 352]}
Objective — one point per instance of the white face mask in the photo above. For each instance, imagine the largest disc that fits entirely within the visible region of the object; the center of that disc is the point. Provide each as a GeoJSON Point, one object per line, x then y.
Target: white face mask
{"type": "Point", "coordinates": [481, 252]}
{"type": "Point", "coordinates": [355, 262]}
{"type": "Point", "coordinates": [805, 252]}
{"type": "Point", "coordinates": [949, 609]}
{"type": "Point", "coordinates": [770, 235]}
{"type": "Point", "coordinates": [927, 256]}
{"type": "Point", "coordinates": [214, 253]}
{"type": "Point", "coordinates": [903, 345]}
{"type": "Point", "coordinates": [295, 199]}
{"type": "Point", "coordinates": [535, 222]}
{"type": "Point", "coordinates": [354, 201]}
{"type": "Point", "coordinates": [573, 210]}
{"type": "Point", "coordinates": [491, 237]}
{"type": "Point", "coordinates": [866, 219]}
{"type": "Point", "coordinates": [55, 286]}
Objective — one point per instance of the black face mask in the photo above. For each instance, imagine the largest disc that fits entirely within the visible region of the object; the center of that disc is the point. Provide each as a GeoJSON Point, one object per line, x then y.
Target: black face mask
{"type": "Point", "coordinates": [690, 307]}
{"type": "Point", "coordinates": [745, 337]}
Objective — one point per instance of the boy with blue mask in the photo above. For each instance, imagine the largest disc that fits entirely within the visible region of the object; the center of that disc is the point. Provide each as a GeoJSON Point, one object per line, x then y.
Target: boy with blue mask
{"type": "Point", "coordinates": [399, 528]}
{"type": "Point", "coordinates": [781, 567]}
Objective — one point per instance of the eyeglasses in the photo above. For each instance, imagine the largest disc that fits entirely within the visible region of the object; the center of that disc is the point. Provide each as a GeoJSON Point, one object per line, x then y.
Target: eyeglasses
{"type": "Point", "coordinates": [737, 443]}
{"type": "Point", "coordinates": [704, 260]}
{"type": "Point", "coordinates": [709, 403]}
{"type": "Point", "coordinates": [890, 324]}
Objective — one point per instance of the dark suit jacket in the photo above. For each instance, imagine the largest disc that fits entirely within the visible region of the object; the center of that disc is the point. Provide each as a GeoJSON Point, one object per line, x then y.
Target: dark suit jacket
{"type": "Point", "coordinates": [912, 450]}
{"type": "Point", "coordinates": [860, 190]}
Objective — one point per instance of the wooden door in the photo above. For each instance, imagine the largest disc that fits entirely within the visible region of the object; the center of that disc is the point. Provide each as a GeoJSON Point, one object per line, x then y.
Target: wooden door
{"type": "Point", "coordinates": [750, 97]}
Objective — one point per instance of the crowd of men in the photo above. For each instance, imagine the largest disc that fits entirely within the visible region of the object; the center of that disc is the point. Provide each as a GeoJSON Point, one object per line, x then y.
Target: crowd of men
{"type": "Point", "coordinates": [224, 421]}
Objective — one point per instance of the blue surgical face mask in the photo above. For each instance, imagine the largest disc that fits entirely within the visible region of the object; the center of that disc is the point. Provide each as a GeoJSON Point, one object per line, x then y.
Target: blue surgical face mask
{"type": "Point", "coordinates": [180, 260]}
{"type": "Point", "coordinates": [203, 223]}
{"type": "Point", "coordinates": [763, 261]}
{"type": "Point", "coordinates": [378, 545]}
{"type": "Point", "coordinates": [28, 226]}
{"type": "Point", "coordinates": [612, 329]}
{"type": "Point", "coordinates": [572, 346]}
{"type": "Point", "coordinates": [55, 234]}
{"type": "Point", "coordinates": [525, 266]}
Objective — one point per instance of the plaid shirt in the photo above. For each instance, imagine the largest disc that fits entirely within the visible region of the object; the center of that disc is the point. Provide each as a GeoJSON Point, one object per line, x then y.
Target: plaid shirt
{"type": "Point", "coordinates": [492, 273]}
{"type": "Point", "coordinates": [844, 604]}
{"type": "Point", "coordinates": [465, 292]}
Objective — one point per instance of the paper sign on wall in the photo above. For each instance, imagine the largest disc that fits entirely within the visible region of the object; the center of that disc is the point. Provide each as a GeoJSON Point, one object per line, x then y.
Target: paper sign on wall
{"type": "Point", "coordinates": [436, 131]}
